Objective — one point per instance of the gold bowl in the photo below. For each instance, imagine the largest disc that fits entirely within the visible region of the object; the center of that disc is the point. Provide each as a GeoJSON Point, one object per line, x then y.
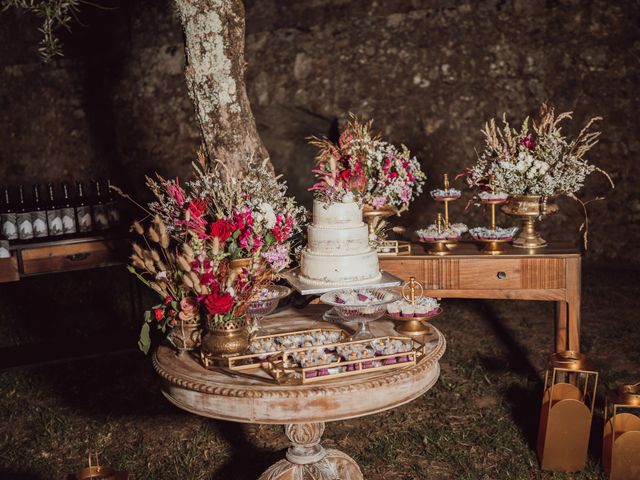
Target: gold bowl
{"type": "Point", "coordinates": [529, 208]}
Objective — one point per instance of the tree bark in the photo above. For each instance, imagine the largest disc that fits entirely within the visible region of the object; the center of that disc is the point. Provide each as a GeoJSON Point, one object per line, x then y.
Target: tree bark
{"type": "Point", "coordinates": [214, 41]}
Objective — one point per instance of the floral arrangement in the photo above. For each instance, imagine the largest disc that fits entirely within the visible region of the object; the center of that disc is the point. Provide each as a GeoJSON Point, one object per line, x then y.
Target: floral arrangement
{"type": "Point", "coordinates": [199, 231]}
{"type": "Point", "coordinates": [250, 216]}
{"type": "Point", "coordinates": [373, 171]}
{"type": "Point", "coordinates": [536, 159]}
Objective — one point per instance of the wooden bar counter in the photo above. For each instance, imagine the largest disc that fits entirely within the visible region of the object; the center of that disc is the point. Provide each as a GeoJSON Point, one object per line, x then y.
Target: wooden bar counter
{"type": "Point", "coordinates": [550, 274]}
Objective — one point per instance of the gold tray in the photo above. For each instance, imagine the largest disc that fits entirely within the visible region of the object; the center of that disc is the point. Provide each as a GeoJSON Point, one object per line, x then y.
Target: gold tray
{"type": "Point", "coordinates": [255, 360]}
{"type": "Point", "coordinates": [295, 375]}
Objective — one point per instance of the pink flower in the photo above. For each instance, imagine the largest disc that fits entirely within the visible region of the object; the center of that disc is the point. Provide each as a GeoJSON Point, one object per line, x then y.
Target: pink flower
{"type": "Point", "coordinates": [378, 202]}
{"type": "Point", "coordinates": [175, 192]}
{"type": "Point", "coordinates": [528, 142]}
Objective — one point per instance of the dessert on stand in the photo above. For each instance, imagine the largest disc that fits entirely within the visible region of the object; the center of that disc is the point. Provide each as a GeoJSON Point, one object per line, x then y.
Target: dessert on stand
{"type": "Point", "coordinates": [446, 195]}
{"type": "Point", "coordinates": [493, 237]}
{"type": "Point", "coordinates": [361, 305]}
{"type": "Point", "coordinates": [440, 236]}
{"type": "Point", "coordinates": [262, 304]}
{"type": "Point", "coordinates": [412, 311]}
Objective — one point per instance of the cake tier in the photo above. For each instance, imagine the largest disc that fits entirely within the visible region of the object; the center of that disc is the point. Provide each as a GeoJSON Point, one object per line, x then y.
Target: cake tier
{"type": "Point", "coordinates": [338, 270]}
{"type": "Point", "coordinates": [337, 215]}
{"type": "Point", "coordinates": [332, 241]}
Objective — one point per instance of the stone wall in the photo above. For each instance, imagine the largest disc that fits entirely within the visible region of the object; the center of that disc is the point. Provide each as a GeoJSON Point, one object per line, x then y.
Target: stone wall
{"type": "Point", "coordinates": [429, 72]}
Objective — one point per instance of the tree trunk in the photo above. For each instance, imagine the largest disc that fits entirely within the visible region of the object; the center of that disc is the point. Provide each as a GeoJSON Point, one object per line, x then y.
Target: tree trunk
{"type": "Point", "coordinates": [214, 40]}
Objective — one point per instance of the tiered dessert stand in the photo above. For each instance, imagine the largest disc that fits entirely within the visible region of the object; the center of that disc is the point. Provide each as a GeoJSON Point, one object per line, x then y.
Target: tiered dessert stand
{"type": "Point", "coordinates": [414, 325]}
{"type": "Point", "coordinates": [495, 242]}
{"type": "Point", "coordinates": [449, 195]}
{"type": "Point", "coordinates": [441, 243]}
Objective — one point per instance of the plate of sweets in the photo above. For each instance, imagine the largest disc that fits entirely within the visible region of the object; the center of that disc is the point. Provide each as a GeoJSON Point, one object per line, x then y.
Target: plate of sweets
{"type": "Point", "coordinates": [497, 234]}
{"type": "Point", "coordinates": [492, 197]}
{"type": "Point", "coordinates": [441, 194]}
{"type": "Point", "coordinates": [434, 233]}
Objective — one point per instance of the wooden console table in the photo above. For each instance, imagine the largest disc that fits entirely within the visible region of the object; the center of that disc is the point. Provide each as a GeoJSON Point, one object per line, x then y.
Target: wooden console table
{"type": "Point", "coordinates": [302, 409]}
{"type": "Point", "coordinates": [64, 255]}
{"type": "Point", "coordinates": [551, 274]}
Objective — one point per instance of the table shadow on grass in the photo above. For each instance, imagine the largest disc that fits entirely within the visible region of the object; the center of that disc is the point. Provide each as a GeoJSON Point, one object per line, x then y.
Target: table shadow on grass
{"type": "Point", "coordinates": [247, 460]}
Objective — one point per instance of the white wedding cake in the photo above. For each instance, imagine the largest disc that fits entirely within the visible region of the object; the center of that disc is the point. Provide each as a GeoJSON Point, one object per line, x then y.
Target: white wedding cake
{"type": "Point", "coordinates": [338, 251]}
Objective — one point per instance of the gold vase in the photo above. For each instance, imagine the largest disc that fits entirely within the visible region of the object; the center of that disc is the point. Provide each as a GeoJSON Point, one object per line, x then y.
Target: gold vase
{"type": "Point", "coordinates": [186, 336]}
{"type": "Point", "coordinates": [376, 218]}
{"type": "Point", "coordinates": [529, 208]}
{"type": "Point", "coordinates": [238, 264]}
{"type": "Point", "coordinates": [230, 339]}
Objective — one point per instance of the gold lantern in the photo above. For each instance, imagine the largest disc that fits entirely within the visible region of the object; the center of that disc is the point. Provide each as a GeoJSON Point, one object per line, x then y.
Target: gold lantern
{"type": "Point", "coordinates": [621, 442]}
{"type": "Point", "coordinates": [566, 413]}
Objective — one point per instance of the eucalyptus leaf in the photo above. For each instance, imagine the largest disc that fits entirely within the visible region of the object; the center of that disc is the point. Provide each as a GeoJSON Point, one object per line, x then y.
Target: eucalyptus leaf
{"type": "Point", "coordinates": [144, 343]}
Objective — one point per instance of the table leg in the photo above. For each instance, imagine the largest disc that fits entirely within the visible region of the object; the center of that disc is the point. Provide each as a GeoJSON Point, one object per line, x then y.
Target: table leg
{"type": "Point", "coordinates": [574, 277]}
{"type": "Point", "coordinates": [306, 458]}
{"type": "Point", "coordinates": [561, 326]}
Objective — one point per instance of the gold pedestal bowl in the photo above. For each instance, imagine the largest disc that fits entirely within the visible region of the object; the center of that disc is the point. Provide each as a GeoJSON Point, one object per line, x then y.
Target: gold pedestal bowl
{"type": "Point", "coordinates": [414, 325]}
{"type": "Point", "coordinates": [529, 208]}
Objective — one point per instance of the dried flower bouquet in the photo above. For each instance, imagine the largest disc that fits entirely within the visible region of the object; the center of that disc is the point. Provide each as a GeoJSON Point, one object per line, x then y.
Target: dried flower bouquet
{"type": "Point", "coordinates": [197, 230]}
{"type": "Point", "coordinates": [375, 172]}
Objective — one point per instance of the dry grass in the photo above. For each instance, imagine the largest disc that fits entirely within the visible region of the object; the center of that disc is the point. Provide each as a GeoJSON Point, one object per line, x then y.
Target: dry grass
{"type": "Point", "coordinates": [478, 422]}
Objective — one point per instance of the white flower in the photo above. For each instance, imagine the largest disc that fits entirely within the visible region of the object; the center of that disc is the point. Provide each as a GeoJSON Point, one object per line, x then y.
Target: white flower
{"type": "Point", "coordinates": [269, 215]}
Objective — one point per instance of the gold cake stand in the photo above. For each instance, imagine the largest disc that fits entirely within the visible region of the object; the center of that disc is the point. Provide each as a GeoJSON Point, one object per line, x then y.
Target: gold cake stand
{"type": "Point", "coordinates": [414, 325]}
{"type": "Point", "coordinates": [494, 246]}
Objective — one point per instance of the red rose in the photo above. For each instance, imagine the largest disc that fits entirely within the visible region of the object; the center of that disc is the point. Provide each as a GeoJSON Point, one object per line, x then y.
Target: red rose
{"type": "Point", "coordinates": [218, 304]}
{"type": "Point", "coordinates": [159, 313]}
{"type": "Point", "coordinates": [197, 207]}
{"type": "Point", "coordinates": [221, 229]}
{"type": "Point", "coordinates": [167, 300]}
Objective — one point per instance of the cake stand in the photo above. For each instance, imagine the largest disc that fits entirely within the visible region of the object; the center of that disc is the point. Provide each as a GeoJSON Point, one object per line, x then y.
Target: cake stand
{"type": "Point", "coordinates": [292, 276]}
{"type": "Point", "coordinates": [446, 199]}
{"type": "Point", "coordinates": [363, 313]}
{"type": "Point", "coordinates": [258, 309]}
{"type": "Point", "coordinates": [414, 325]}
{"type": "Point", "coordinates": [494, 246]}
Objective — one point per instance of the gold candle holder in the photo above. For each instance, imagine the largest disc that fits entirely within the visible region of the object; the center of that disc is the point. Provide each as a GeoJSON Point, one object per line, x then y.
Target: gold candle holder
{"type": "Point", "coordinates": [566, 413]}
{"type": "Point", "coordinates": [621, 439]}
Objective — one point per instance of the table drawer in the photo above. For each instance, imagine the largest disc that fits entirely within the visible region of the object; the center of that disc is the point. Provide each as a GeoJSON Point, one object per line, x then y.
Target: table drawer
{"type": "Point", "coordinates": [9, 269]}
{"type": "Point", "coordinates": [489, 274]}
{"type": "Point", "coordinates": [76, 256]}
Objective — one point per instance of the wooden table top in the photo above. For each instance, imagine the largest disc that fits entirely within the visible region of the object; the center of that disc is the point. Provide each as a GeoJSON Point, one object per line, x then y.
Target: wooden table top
{"type": "Point", "coordinates": [472, 249]}
{"type": "Point", "coordinates": [260, 400]}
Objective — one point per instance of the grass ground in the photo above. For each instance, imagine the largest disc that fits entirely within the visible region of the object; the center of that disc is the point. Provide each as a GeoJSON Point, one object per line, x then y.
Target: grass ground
{"type": "Point", "coordinates": [478, 422]}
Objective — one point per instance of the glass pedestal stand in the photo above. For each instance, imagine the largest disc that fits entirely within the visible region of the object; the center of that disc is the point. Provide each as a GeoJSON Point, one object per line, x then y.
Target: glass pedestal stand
{"type": "Point", "coordinates": [292, 276]}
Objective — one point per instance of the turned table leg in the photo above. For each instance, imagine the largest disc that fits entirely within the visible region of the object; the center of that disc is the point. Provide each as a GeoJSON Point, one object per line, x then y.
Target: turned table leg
{"type": "Point", "coordinates": [562, 310]}
{"type": "Point", "coordinates": [307, 459]}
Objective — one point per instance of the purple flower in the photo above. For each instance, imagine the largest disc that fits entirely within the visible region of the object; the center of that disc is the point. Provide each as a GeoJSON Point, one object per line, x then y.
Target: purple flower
{"type": "Point", "coordinates": [528, 142]}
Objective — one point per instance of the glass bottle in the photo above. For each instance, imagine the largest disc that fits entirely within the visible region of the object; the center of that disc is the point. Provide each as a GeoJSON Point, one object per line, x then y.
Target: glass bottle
{"type": "Point", "coordinates": [67, 213]}
{"type": "Point", "coordinates": [83, 210]}
{"type": "Point", "coordinates": [100, 217]}
{"type": "Point", "coordinates": [8, 217]}
{"type": "Point", "coordinates": [113, 212]}
{"type": "Point", "coordinates": [25, 227]}
{"type": "Point", "coordinates": [54, 215]}
{"type": "Point", "coordinates": [38, 215]}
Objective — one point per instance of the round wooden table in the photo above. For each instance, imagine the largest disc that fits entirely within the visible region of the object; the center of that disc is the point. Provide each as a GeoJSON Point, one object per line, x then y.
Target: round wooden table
{"type": "Point", "coordinates": [303, 410]}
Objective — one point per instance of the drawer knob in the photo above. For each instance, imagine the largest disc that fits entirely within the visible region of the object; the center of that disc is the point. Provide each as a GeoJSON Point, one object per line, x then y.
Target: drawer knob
{"type": "Point", "coordinates": [502, 275]}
